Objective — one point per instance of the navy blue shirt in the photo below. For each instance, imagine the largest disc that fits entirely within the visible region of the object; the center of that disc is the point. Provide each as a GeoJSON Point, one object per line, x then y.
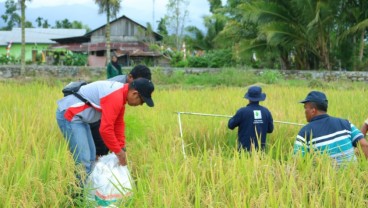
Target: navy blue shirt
{"type": "Point", "coordinates": [326, 134]}
{"type": "Point", "coordinates": [254, 121]}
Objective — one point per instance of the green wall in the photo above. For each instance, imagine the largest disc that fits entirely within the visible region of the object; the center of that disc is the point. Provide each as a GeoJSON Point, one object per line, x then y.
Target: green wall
{"type": "Point", "coordinates": [15, 50]}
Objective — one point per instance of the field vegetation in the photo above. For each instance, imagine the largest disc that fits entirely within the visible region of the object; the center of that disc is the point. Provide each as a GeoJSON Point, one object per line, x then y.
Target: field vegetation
{"type": "Point", "coordinates": [38, 171]}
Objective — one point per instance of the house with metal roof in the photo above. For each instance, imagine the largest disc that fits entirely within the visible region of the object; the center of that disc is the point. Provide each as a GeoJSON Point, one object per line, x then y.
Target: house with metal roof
{"type": "Point", "coordinates": [36, 40]}
{"type": "Point", "coordinates": [129, 41]}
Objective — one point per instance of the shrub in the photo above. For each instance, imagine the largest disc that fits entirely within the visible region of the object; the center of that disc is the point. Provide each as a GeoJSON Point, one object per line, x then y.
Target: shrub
{"type": "Point", "coordinates": [214, 59]}
{"type": "Point", "coordinates": [197, 61]}
{"type": "Point", "coordinates": [182, 63]}
{"type": "Point", "coordinates": [176, 57]}
{"type": "Point", "coordinates": [8, 60]}
{"type": "Point", "coordinates": [75, 59]}
{"type": "Point", "coordinates": [154, 47]}
{"type": "Point", "coordinates": [271, 76]}
{"type": "Point", "coordinates": [219, 58]}
{"type": "Point", "coordinates": [315, 83]}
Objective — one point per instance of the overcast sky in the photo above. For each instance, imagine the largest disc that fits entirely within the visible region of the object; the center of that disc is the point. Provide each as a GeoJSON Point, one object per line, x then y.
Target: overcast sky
{"type": "Point", "coordinates": [86, 11]}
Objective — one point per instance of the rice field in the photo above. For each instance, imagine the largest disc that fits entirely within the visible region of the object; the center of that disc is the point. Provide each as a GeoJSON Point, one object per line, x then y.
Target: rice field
{"type": "Point", "coordinates": [38, 171]}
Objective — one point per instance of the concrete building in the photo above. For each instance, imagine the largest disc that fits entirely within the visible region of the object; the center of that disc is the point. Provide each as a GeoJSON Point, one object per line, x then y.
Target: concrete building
{"type": "Point", "coordinates": [37, 40]}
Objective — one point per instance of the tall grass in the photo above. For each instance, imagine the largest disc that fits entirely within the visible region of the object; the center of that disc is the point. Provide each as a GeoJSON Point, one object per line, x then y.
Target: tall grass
{"type": "Point", "coordinates": [36, 168]}
{"type": "Point", "coordinates": [38, 171]}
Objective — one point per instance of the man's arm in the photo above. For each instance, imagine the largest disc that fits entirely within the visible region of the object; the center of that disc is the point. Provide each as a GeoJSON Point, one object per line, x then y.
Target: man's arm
{"type": "Point", "coordinates": [234, 121]}
{"type": "Point", "coordinates": [364, 128]}
{"type": "Point", "coordinates": [364, 145]}
{"type": "Point", "coordinates": [358, 138]}
{"type": "Point", "coordinates": [270, 124]}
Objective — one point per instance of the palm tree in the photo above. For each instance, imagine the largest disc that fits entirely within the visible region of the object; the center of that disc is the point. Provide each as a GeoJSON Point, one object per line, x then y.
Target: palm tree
{"type": "Point", "coordinates": [23, 48]}
{"type": "Point", "coordinates": [66, 23]}
{"type": "Point", "coordinates": [301, 27]}
{"type": "Point", "coordinates": [195, 39]}
{"type": "Point", "coordinates": [111, 8]}
{"type": "Point", "coordinates": [39, 21]}
{"type": "Point", "coordinates": [45, 24]}
{"type": "Point", "coordinates": [354, 24]}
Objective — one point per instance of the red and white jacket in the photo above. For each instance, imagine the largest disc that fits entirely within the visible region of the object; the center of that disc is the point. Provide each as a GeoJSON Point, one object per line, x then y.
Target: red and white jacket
{"type": "Point", "coordinates": [107, 99]}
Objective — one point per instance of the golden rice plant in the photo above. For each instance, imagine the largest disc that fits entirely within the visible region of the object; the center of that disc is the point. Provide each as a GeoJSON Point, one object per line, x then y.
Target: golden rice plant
{"type": "Point", "coordinates": [38, 171]}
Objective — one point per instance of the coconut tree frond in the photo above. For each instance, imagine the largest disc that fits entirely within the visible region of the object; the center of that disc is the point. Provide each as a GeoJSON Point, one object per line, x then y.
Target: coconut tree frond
{"type": "Point", "coordinates": [361, 26]}
{"type": "Point", "coordinates": [109, 6]}
{"type": "Point", "coordinates": [253, 45]}
{"type": "Point", "coordinates": [262, 12]}
{"type": "Point", "coordinates": [279, 33]}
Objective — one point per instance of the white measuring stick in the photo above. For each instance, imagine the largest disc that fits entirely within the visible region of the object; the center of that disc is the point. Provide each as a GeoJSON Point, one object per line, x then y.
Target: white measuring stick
{"type": "Point", "coordinates": [218, 115]}
{"type": "Point", "coordinates": [213, 115]}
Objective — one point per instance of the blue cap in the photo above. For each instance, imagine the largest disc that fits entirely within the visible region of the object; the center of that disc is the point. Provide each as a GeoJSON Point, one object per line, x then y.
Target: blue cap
{"type": "Point", "coordinates": [316, 97]}
{"type": "Point", "coordinates": [255, 94]}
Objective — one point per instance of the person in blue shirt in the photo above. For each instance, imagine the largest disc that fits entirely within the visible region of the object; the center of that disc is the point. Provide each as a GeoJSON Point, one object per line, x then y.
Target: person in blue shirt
{"type": "Point", "coordinates": [253, 121]}
{"type": "Point", "coordinates": [325, 134]}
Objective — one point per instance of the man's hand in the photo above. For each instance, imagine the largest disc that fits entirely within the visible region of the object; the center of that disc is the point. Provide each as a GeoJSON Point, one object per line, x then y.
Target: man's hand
{"type": "Point", "coordinates": [122, 157]}
{"type": "Point", "coordinates": [364, 145]}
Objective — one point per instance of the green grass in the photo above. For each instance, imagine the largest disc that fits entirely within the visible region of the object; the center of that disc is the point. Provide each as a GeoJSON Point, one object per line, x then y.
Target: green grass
{"type": "Point", "coordinates": [38, 171]}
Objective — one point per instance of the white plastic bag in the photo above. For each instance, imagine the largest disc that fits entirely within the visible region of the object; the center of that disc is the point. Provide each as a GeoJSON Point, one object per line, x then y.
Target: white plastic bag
{"type": "Point", "coordinates": [109, 182]}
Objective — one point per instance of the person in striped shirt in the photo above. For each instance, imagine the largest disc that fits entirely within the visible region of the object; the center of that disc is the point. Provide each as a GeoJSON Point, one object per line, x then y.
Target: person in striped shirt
{"type": "Point", "coordinates": [325, 134]}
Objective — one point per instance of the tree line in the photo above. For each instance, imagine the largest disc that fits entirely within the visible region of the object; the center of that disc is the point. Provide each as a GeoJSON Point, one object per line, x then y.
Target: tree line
{"type": "Point", "coordinates": [287, 34]}
{"type": "Point", "coordinates": [275, 34]}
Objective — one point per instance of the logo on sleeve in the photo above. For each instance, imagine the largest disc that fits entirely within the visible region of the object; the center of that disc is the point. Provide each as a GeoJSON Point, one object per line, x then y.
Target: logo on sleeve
{"type": "Point", "coordinates": [257, 114]}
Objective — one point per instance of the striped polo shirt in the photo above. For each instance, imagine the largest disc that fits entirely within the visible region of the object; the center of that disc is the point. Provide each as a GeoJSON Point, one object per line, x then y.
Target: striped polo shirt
{"type": "Point", "coordinates": [329, 135]}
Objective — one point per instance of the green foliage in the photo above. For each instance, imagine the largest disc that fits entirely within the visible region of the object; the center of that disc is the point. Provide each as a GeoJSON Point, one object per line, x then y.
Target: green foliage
{"type": "Point", "coordinates": [75, 59]}
{"type": "Point", "coordinates": [315, 83]}
{"type": "Point", "coordinates": [182, 63]}
{"type": "Point", "coordinates": [211, 77]}
{"type": "Point", "coordinates": [10, 16]}
{"type": "Point", "coordinates": [39, 58]}
{"type": "Point", "coordinates": [220, 58]}
{"type": "Point", "coordinates": [163, 76]}
{"type": "Point", "coordinates": [271, 76]}
{"type": "Point", "coordinates": [195, 39]}
{"type": "Point", "coordinates": [8, 60]}
{"type": "Point", "coordinates": [29, 62]}
{"type": "Point", "coordinates": [154, 47]}
{"type": "Point", "coordinates": [161, 28]}
{"type": "Point", "coordinates": [197, 61]}
{"type": "Point", "coordinates": [111, 8]}
{"type": "Point", "coordinates": [68, 58]}
{"type": "Point", "coordinates": [146, 61]}
{"type": "Point", "coordinates": [177, 14]}
{"type": "Point", "coordinates": [214, 59]}
{"type": "Point", "coordinates": [176, 57]}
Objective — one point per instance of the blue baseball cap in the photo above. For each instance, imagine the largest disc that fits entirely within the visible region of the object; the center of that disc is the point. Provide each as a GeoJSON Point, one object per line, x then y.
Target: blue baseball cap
{"type": "Point", "coordinates": [316, 97]}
